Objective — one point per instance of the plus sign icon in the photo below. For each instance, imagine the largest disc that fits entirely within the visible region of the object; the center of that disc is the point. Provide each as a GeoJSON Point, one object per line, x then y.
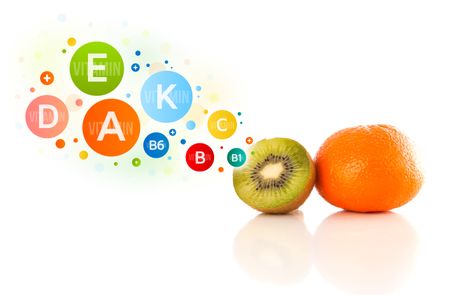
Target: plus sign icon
{"type": "Point", "coordinates": [47, 78]}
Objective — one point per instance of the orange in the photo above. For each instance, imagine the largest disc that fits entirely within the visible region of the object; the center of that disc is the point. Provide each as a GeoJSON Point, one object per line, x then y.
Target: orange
{"type": "Point", "coordinates": [368, 169]}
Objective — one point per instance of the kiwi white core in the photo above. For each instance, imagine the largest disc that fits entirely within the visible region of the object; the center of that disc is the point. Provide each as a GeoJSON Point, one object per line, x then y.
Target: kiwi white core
{"type": "Point", "coordinates": [272, 171]}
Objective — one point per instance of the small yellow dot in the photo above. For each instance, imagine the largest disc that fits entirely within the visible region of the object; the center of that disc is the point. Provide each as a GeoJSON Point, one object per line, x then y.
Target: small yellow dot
{"type": "Point", "coordinates": [83, 155]}
{"type": "Point", "coordinates": [71, 41]}
{"type": "Point", "coordinates": [205, 111]}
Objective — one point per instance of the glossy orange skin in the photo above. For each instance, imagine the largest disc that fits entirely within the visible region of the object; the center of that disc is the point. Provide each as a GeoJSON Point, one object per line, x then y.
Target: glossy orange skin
{"type": "Point", "coordinates": [368, 169]}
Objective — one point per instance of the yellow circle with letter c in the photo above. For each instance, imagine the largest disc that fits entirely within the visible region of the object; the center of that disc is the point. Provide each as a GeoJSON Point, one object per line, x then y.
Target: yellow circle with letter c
{"type": "Point", "coordinates": [222, 124]}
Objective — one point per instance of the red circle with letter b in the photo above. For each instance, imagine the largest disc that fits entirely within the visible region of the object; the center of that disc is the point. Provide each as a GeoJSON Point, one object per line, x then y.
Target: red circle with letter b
{"type": "Point", "coordinates": [199, 157]}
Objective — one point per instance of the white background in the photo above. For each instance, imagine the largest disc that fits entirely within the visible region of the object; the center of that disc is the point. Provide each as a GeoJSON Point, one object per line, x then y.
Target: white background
{"type": "Point", "coordinates": [303, 71]}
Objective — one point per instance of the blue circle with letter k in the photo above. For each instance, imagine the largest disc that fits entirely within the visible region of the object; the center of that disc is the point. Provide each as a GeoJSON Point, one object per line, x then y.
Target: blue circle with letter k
{"type": "Point", "coordinates": [166, 96]}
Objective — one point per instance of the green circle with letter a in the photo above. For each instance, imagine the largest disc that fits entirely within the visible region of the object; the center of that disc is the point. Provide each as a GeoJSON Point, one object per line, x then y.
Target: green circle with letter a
{"type": "Point", "coordinates": [96, 68]}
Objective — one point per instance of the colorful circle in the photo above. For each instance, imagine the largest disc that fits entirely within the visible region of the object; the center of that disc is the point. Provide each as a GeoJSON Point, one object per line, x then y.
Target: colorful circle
{"type": "Point", "coordinates": [156, 145]}
{"type": "Point", "coordinates": [60, 143]}
{"type": "Point", "coordinates": [199, 157]}
{"type": "Point", "coordinates": [47, 116]}
{"type": "Point", "coordinates": [166, 96]}
{"type": "Point", "coordinates": [83, 155]}
{"type": "Point", "coordinates": [236, 157]}
{"type": "Point", "coordinates": [111, 127]}
{"type": "Point", "coordinates": [222, 124]}
{"type": "Point", "coordinates": [136, 162]}
{"type": "Point", "coordinates": [71, 41]}
{"type": "Point", "coordinates": [96, 68]}
{"type": "Point", "coordinates": [190, 125]}
{"type": "Point", "coordinates": [135, 67]}
{"type": "Point", "coordinates": [47, 78]}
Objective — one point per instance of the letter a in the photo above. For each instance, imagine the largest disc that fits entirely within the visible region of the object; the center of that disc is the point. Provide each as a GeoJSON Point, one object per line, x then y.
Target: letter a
{"type": "Point", "coordinates": [111, 117]}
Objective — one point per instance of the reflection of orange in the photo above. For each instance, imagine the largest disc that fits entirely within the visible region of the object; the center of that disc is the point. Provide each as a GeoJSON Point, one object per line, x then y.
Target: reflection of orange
{"type": "Point", "coordinates": [367, 169]}
{"type": "Point", "coordinates": [111, 145]}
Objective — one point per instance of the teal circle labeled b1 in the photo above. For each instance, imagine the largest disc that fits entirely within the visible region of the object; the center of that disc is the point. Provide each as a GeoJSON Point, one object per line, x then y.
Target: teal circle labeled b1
{"type": "Point", "coordinates": [96, 68]}
{"type": "Point", "coordinates": [166, 96]}
{"type": "Point", "coordinates": [156, 145]}
{"type": "Point", "coordinates": [236, 157]}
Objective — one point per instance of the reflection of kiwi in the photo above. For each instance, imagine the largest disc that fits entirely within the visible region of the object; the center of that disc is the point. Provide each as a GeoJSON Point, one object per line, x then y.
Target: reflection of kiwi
{"type": "Point", "coordinates": [275, 248]}
{"type": "Point", "coordinates": [278, 176]}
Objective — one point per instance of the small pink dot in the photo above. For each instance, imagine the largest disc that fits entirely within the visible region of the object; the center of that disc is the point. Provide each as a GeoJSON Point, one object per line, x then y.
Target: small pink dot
{"type": "Point", "coordinates": [79, 102]}
{"type": "Point", "coordinates": [32, 89]}
{"type": "Point", "coordinates": [221, 147]}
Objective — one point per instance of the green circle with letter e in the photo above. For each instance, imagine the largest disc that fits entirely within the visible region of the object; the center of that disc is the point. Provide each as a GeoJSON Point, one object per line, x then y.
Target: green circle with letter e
{"type": "Point", "coordinates": [96, 68]}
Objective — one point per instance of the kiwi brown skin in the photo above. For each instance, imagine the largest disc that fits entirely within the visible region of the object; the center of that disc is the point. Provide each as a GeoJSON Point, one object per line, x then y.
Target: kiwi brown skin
{"type": "Point", "coordinates": [306, 180]}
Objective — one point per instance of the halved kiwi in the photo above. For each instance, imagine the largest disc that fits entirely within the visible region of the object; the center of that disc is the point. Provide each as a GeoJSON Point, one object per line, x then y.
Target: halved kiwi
{"type": "Point", "coordinates": [278, 176]}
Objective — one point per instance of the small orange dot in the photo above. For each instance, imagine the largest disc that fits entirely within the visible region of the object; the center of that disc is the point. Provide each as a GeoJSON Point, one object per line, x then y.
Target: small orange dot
{"type": "Point", "coordinates": [75, 140]}
{"type": "Point", "coordinates": [60, 143]}
{"type": "Point", "coordinates": [47, 78]}
{"type": "Point", "coordinates": [32, 89]}
{"type": "Point", "coordinates": [249, 140]}
{"type": "Point", "coordinates": [220, 169]}
{"type": "Point", "coordinates": [71, 41]}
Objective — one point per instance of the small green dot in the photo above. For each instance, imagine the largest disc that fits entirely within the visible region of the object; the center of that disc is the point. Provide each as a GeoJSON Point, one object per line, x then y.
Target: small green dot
{"type": "Point", "coordinates": [136, 162]}
{"type": "Point", "coordinates": [64, 51]}
{"type": "Point", "coordinates": [253, 152]}
{"type": "Point", "coordinates": [115, 163]}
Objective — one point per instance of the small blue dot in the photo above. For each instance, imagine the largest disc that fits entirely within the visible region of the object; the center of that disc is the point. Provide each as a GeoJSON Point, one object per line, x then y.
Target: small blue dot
{"type": "Point", "coordinates": [99, 167]}
{"type": "Point", "coordinates": [166, 61]}
{"type": "Point", "coordinates": [169, 158]}
{"type": "Point", "coordinates": [138, 53]}
{"type": "Point", "coordinates": [198, 88]}
{"type": "Point", "coordinates": [172, 132]}
{"type": "Point", "coordinates": [190, 125]}
{"type": "Point", "coordinates": [183, 141]}
{"type": "Point", "coordinates": [239, 113]}
{"type": "Point", "coordinates": [62, 18]}
{"type": "Point", "coordinates": [135, 67]}
{"type": "Point", "coordinates": [128, 95]}
{"type": "Point", "coordinates": [148, 65]}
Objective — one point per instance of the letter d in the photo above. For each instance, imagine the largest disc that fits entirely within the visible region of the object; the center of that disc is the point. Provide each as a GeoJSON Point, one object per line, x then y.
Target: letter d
{"type": "Point", "coordinates": [42, 108]}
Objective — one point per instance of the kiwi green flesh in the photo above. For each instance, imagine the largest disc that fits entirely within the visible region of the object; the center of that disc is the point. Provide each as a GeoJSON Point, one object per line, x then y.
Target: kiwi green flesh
{"type": "Point", "coordinates": [278, 172]}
